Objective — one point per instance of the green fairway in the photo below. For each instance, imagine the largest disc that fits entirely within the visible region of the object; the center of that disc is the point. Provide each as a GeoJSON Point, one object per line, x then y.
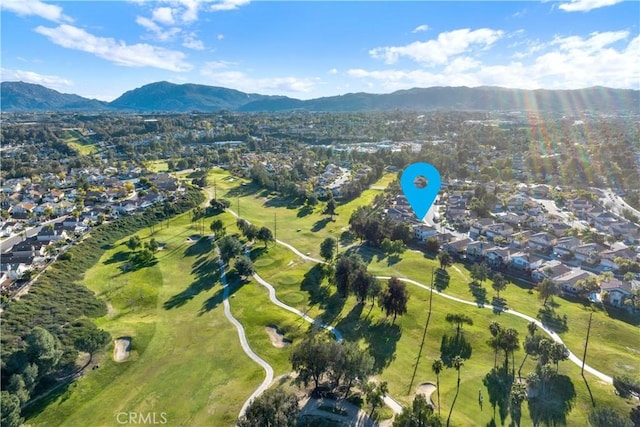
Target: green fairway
{"type": "Point", "coordinates": [184, 349]}
{"type": "Point", "coordinates": [182, 344]}
{"type": "Point", "coordinates": [303, 227]}
{"type": "Point", "coordinates": [156, 166]}
{"type": "Point", "coordinates": [79, 143]}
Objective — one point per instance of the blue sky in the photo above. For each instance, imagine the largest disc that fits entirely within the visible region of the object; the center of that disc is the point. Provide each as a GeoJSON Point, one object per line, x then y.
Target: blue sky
{"type": "Point", "coordinates": [100, 49]}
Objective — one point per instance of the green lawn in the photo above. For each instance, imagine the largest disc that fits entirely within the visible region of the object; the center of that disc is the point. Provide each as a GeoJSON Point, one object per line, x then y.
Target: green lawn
{"type": "Point", "coordinates": [79, 143]}
{"type": "Point", "coordinates": [303, 227]}
{"type": "Point", "coordinates": [155, 166]}
{"type": "Point", "coordinates": [396, 346]}
{"type": "Point", "coordinates": [186, 351]}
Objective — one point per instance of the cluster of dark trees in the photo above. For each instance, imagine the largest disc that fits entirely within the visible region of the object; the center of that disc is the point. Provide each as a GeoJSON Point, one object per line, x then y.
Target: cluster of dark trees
{"type": "Point", "coordinates": [342, 364]}
{"type": "Point", "coordinates": [351, 277]}
{"type": "Point", "coordinates": [368, 224]}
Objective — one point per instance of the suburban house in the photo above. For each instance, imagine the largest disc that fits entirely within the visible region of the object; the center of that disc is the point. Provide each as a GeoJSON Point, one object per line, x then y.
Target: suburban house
{"type": "Point", "coordinates": [478, 249]}
{"type": "Point", "coordinates": [588, 252]}
{"type": "Point", "coordinates": [615, 291]}
{"type": "Point", "coordinates": [422, 232]}
{"type": "Point", "coordinates": [542, 242]}
{"type": "Point", "coordinates": [566, 245]}
{"type": "Point", "coordinates": [478, 227]}
{"type": "Point", "coordinates": [498, 230]}
{"type": "Point", "coordinates": [457, 247]}
{"type": "Point", "coordinates": [525, 261]}
{"type": "Point", "coordinates": [568, 282]}
{"type": "Point", "coordinates": [550, 270]}
{"type": "Point", "coordinates": [497, 257]}
{"type": "Point", "coordinates": [49, 234]}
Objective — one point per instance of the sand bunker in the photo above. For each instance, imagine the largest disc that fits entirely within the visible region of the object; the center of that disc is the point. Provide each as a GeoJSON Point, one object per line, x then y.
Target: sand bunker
{"type": "Point", "coordinates": [426, 389]}
{"type": "Point", "coordinates": [277, 336]}
{"type": "Point", "coordinates": [122, 349]}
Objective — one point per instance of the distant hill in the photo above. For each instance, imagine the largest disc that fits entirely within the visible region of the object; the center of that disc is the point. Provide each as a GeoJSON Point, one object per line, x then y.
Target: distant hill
{"type": "Point", "coordinates": [169, 97]}
{"type": "Point", "coordinates": [20, 96]}
{"type": "Point", "coordinates": [596, 99]}
{"type": "Point", "coordinates": [164, 96]}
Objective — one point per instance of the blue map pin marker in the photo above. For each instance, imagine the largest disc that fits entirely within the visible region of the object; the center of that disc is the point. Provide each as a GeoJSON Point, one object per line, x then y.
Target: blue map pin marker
{"type": "Point", "coordinates": [420, 199]}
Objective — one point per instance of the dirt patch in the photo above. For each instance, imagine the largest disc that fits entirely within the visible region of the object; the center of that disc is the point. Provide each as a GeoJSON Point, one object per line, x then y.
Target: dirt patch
{"type": "Point", "coordinates": [122, 349]}
{"type": "Point", "coordinates": [427, 390]}
{"type": "Point", "coordinates": [277, 336]}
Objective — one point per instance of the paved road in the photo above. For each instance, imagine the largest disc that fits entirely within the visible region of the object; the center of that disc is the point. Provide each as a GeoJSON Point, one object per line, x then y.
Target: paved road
{"type": "Point", "coordinates": [243, 342]}
{"type": "Point", "coordinates": [8, 243]}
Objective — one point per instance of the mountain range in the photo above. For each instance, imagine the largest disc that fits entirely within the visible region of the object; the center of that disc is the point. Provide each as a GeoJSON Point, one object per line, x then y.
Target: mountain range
{"type": "Point", "coordinates": [169, 97]}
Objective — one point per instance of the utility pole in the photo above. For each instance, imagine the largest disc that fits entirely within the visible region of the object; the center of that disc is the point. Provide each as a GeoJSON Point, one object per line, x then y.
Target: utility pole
{"type": "Point", "coordinates": [586, 343]}
{"type": "Point", "coordinates": [275, 227]}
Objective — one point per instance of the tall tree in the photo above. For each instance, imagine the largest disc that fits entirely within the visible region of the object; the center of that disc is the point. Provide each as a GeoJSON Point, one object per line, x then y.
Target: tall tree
{"type": "Point", "coordinates": [244, 266]}
{"type": "Point", "coordinates": [43, 349]}
{"type": "Point", "coordinates": [375, 393]}
{"type": "Point", "coordinates": [393, 298]}
{"type": "Point", "coordinates": [346, 270]}
{"type": "Point", "coordinates": [420, 414]}
{"type": "Point", "coordinates": [311, 358]}
{"type": "Point", "coordinates": [229, 248]}
{"type": "Point", "coordinates": [437, 367]}
{"type": "Point", "coordinates": [265, 235]}
{"type": "Point", "coordinates": [547, 288]}
{"type": "Point", "coordinates": [458, 319]}
{"type": "Point", "coordinates": [457, 363]}
{"type": "Point", "coordinates": [445, 259]}
{"type": "Point", "coordinates": [509, 343]}
{"type": "Point", "coordinates": [217, 227]}
{"type": "Point", "coordinates": [499, 283]}
{"type": "Point", "coordinates": [496, 329]}
{"type": "Point", "coordinates": [328, 249]}
{"type": "Point", "coordinates": [361, 284]}
{"type": "Point", "coordinates": [330, 209]}
{"type": "Point", "coordinates": [274, 408]}
{"type": "Point", "coordinates": [134, 242]}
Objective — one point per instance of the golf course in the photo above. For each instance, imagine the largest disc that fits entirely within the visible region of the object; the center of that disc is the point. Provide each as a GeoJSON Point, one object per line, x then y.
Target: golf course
{"type": "Point", "coordinates": [184, 358]}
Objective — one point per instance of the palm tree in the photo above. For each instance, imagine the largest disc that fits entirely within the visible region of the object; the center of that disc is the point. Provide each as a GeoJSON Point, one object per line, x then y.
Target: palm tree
{"type": "Point", "coordinates": [530, 344]}
{"type": "Point", "coordinates": [457, 363]}
{"type": "Point", "coordinates": [437, 367]}
{"type": "Point", "coordinates": [509, 343]}
{"type": "Point", "coordinates": [517, 395]}
{"type": "Point", "coordinates": [495, 328]}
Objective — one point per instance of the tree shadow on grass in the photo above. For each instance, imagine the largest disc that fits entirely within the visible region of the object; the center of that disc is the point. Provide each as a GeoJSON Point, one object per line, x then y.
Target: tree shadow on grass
{"type": "Point", "coordinates": [382, 336]}
{"type": "Point", "coordinates": [552, 407]}
{"type": "Point", "coordinates": [320, 224]}
{"type": "Point", "coordinates": [201, 247]}
{"type": "Point", "coordinates": [498, 383]}
{"type": "Point", "coordinates": [312, 284]}
{"type": "Point", "coordinates": [34, 409]}
{"type": "Point", "coordinates": [442, 279]}
{"type": "Point", "coordinates": [207, 272]}
{"type": "Point", "coordinates": [120, 256]}
{"type": "Point", "coordinates": [499, 305]}
{"type": "Point", "coordinates": [452, 346]}
{"type": "Point", "coordinates": [549, 318]}
{"type": "Point", "coordinates": [235, 283]}
{"type": "Point", "coordinates": [393, 259]}
{"type": "Point", "coordinates": [242, 190]}
{"type": "Point", "coordinates": [304, 211]}
{"type": "Point", "coordinates": [479, 293]}
{"type": "Point", "coordinates": [347, 238]}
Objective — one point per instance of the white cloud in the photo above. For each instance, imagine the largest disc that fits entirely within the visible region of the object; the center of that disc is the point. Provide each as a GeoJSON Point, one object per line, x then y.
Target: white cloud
{"type": "Point", "coordinates": [220, 36]}
{"type": "Point", "coordinates": [228, 5]}
{"type": "Point", "coordinates": [599, 59]}
{"type": "Point", "coordinates": [158, 32]}
{"type": "Point", "coordinates": [163, 15]}
{"type": "Point", "coordinates": [420, 28]}
{"type": "Point", "coordinates": [217, 74]}
{"type": "Point", "coordinates": [586, 5]}
{"type": "Point", "coordinates": [190, 13]}
{"type": "Point", "coordinates": [35, 7]}
{"type": "Point", "coordinates": [53, 82]}
{"type": "Point", "coordinates": [438, 51]}
{"type": "Point", "coordinates": [116, 51]}
{"type": "Point", "coordinates": [333, 71]}
{"type": "Point", "coordinates": [192, 42]}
